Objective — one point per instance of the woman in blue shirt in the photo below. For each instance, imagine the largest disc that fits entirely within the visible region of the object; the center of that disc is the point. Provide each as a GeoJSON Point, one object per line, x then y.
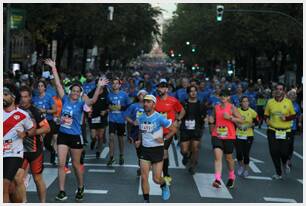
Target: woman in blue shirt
{"type": "Point", "coordinates": [69, 136]}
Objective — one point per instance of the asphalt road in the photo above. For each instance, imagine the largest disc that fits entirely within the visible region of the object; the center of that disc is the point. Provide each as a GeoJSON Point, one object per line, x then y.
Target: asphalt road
{"type": "Point", "coordinates": [120, 184]}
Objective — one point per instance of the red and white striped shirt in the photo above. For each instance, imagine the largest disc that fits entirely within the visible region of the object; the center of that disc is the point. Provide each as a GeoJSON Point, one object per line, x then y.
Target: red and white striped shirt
{"type": "Point", "coordinates": [16, 120]}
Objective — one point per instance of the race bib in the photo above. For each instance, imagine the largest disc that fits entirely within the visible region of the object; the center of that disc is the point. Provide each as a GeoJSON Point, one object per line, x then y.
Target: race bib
{"type": "Point", "coordinates": [280, 134]}
{"type": "Point", "coordinates": [148, 128]}
{"type": "Point", "coordinates": [66, 121]}
{"type": "Point", "coordinates": [242, 134]}
{"type": "Point", "coordinates": [96, 120]}
{"type": "Point", "coordinates": [222, 132]}
{"type": "Point", "coordinates": [190, 124]}
{"type": "Point", "coordinates": [7, 146]}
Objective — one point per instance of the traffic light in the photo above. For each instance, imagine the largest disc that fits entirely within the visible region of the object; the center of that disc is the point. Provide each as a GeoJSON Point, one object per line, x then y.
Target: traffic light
{"type": "Point", "coordinates": [220, 10]}
{"type": "Point", "coordinates": [193, 48]}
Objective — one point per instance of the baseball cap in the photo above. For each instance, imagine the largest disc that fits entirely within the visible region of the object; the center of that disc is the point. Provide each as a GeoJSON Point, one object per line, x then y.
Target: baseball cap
{"type": "Point", "coordinates": [163, 82]}
{"type": "Point", "coordinates": [141, 91]}
{"type": "Point", "coordinates": [150, 97]}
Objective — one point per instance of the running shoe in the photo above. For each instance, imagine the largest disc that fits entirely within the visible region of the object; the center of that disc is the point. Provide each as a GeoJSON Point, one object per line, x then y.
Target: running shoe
{"type": "Point", "coordinates": [168, 180]}
{"type": "Point", "coordinates": [230, 183]}
{"type": "Point", "coordinates": [240, 170]}
{"type": "Point", "coordinates": [80, 194]}
{"type": "Point", "coordinates": [67, 170]}
{"type": "Point", "coordinates": [165, 192]}
{"type": "Point", "coordinates": [121, 160]}
{"type": "Point", "coordinates": [61, 196]}
{"type": "Point", "coordinates": [286, 169]}
{"type": "Point", "coordinates": [216, 184]}
{"type": "Point", "coordinates": [110, 162]}
{"type": "Point", "coordinates": [98, 155]}
{"type": "Point", "coordinates": [245, 173]}
{"type": "Point", "coordinates": [277, 177]}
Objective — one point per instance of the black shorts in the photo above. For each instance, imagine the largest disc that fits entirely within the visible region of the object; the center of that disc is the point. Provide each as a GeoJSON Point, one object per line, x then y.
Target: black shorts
{"type": "Point", "coordinates": [35, 159]}
{"type": "Point", "coordinates": [98, 125]}
{"type": "Point", "coordinates": [227, 146]}
{"type": "Point", "coordinates": [72, 141]}
{"type": "Point", "coordinates": [152, 154]}
{"type": "Point", "coordinates": [188, 135]}
{"type": "Point", "coordinates": [11, 166]}
{"type": "Point", "coordinates": [116, 128]}
{"type": "Point", "coordinates": [167, 142]}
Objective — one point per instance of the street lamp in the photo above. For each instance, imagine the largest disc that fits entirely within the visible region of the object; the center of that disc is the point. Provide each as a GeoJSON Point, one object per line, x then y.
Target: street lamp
{"type": "Point", "coordinates": [187, 43]}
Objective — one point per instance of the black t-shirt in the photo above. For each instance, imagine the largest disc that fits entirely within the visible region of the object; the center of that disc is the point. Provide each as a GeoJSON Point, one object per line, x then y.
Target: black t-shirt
{"type": "Point", "coordinates": [100, 105]}
{"type": "Point", "coordinates": [195, 113]}
{"type": "Point", "coordinates": [34, 144]}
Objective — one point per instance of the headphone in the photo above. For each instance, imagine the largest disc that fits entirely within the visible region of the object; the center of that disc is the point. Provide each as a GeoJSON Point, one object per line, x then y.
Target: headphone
{"type": "Point", "coordinates": [73, 85]}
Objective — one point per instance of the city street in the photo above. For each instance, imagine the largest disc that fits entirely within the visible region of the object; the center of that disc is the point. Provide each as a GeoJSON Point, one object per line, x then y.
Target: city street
{"type": "Point", "coordinates": [120, 184]}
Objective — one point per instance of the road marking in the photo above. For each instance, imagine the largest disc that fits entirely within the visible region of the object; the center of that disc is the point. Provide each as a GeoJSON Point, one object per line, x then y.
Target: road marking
{"type": "Point", "coordinates": [104, 152]}
{"type": "Point", "coordinates": [258, 178]}
{"type": "Point", "coordinates": [171, 157]}
{"type": "Point", "coordinates": [154, 188]}
{"type": "Point", "coordinates": [260, 133]}
{"type": "Point", "coordinates": [276, 199]}
{"type": "Point", "coordinates": [49, 175]}
{"type": "Point", "coordinates": [101, 171]}
{"type": "Point", "coordinates": [256, 160]}
{"type": "Point", "coordinates": [254, 167]}
{"type": "Point", "coordinates": [204, 184]}
{"type": "Point", "coordinates": [96, 191]}
{"type": "Point", "coordinates": [298, 155]}
{"type": "Point", "coordinates": [300, 181]}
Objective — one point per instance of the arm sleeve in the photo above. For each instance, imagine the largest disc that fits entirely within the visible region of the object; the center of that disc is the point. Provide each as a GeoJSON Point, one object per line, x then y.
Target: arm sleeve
{"type": "Point", "coordinates": [165, 122]}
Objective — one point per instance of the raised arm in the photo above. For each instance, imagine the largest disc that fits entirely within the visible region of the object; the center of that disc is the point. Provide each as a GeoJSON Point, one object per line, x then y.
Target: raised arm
{"type": "Point", "coordinates": [101, 83]}
{"type": "Point", "coordinates": [57, 80]}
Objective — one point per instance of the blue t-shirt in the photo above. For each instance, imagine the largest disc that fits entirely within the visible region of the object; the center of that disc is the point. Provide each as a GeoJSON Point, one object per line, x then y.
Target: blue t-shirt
{"type": "Point", "coordinates": [235, 99]}
{"type": "Point", "coordinates": [71, 116]}
{"type": "Point", "coordinates": [117, 103]}
{"type": "Point", "coordinates": [252, 99]}
{"type": "Point", "coordinates": [298, 113]}
{"type": "Point", "coordinates": [181, 94]}
{"type": "Point", "coordinates": [203, 95]}
{"type": "Point", "coordinates": [151, 128]}
{"type": "Point", "coordinates": [89, 86]}
{"type": "Point", "coordinates": [49, 90]}
{"type": "Point", "coordinates": [212, 101]}
{"type": "Point", "coordinates": [44, 102]}
{"type": "Point", "coordinates": [134, 111]}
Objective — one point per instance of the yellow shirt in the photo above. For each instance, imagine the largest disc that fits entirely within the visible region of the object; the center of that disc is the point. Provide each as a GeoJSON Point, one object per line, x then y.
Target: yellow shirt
{"type": "Point", "coordinates": [274, 110]}
{"type": "Point", "coordinates": [247, 116]}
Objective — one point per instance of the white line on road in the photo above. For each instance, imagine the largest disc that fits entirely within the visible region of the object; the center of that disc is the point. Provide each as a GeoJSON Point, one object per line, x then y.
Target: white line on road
{"type": "Point", "coordinates": [49, 175]}
{"type": "Point", "coordinates": [258, 178]}
{"type": "Point", "coordinates": [104, 152]}
{"type": "Point", "coordinates": [204, 184]}
{"type": "Point", "coordinates": [256, 160]}
{"type": "Point", "coordinates": [298, 155]}
{"type": "Point", "coordinates": [276, 199]}
{"type": "Point", "coordinates": [101, 171]}
{"type": "Point", "coordinates": [154, 188]}
{"type": "Point", "coordinates": [260, 133]}
{"type": "Point", "coordinates": [300, 181]}
{"type": "Point", "coordinates": [254, 167]}
{"type": "Point", "coordinates": [96, 191]}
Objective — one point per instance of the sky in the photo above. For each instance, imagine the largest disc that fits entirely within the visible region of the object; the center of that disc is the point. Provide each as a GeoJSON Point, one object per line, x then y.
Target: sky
{"type": "Point", "coordinates": [168, 7]}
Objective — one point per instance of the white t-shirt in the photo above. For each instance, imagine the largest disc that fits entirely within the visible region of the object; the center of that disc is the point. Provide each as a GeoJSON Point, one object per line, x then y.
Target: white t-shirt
{"type": "Point", "coordinates": [16, 120]}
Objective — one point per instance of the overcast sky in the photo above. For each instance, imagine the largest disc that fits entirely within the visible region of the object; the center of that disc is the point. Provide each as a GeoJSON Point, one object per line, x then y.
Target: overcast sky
{"type": "Point", "coordinates": [168, 7]}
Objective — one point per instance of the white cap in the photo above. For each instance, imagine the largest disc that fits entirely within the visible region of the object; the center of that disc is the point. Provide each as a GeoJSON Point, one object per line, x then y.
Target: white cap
{"type": "Point", "coordinates": [163, 81]}
{"type": "Point", "coordinates": [135, 74]}
{"type": "Point", "coordinates": [150, 97]}
{"type": "Point", "coordinates": [141, 92]}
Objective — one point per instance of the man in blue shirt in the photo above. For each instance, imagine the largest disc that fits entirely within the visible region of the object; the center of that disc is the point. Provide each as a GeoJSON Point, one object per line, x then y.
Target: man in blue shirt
{"type": "Point", "coordinates": [118, 101]}
{"type": "Point", "coordinates": [181, 94]}
{"type": "Point", "coordinates": [151, 125]}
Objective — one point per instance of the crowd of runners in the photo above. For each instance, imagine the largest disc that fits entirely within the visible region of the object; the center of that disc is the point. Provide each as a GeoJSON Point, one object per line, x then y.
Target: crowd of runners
{"type": "Point", "coordinates": [50, 111]}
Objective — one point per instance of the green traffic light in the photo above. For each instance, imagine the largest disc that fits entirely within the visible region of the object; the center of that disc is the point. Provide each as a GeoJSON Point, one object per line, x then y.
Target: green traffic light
{"type": "Point", "coordinates": [219, 18]}
{"type": "Point", "coordinates": [193, 50]}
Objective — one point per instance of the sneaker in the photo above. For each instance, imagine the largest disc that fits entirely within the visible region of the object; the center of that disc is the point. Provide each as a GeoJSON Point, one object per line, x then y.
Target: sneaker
{"type": "Point", "coordinates": [121, 160]}
{"type": "Point", "coordinates": [67, 170]}
{"type": "Point", "coordinates": [110, 161]}
{"type": "Point", "coordinates": [92, 144]}
{"type": "Point", "coordinates": [216, 184]}
{"type": "Point", "coordinates": [80, 194]}
{"type": "Point", "coordinates": [240, 170]}
{"type": "Point", "coordinates": [191, 170]}
{"type": "Point", "coordinates": [61, 196]}
{"type": "Point", "coordinates": [165, 192]}
{"type": "Point", "coordinates": [245, 173]}
{"type": "Point", "coordinates": [98, 155]}
{"type": "Point", "coordinates": [168, 180]}
{"type": "Point", "coordinates": [277, 177]}
{"type": "Point", "coordinates": [138, 172]}
{"type": "Point", "coordinates": [286, 169]}
{"type": "Point", "coordinates": [230, 183]}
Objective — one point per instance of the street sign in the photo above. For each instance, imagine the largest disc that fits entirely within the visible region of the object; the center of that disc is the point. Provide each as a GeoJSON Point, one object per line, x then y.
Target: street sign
{"type": "Point", "coordinates": [17, 18]}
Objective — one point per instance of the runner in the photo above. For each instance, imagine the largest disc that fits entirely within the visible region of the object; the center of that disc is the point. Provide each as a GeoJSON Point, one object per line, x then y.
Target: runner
{"type": "Point", "coordinates": [172, 109]}
{"type": "Point", "coordinates": [279, 113]}
{"type": "Point", "coordinates": [33, 146]}
{"type": "Point", "coordinates": [235, 99]}
{"type": "Point", "coordinates": [181, 94]}
{"type": "Point", "coordinates": [69, 136]}
{"type": "Point", "coordinates": [223, 136]}
{"type": "Point", "coordinates": [152, 146]}
{"type": "Point", "coordinates": [17, 125]}
{"type": "Point", "coordinates": [245, 136]}
{"type": "Point", "coordinates": [192, 129]}
{"type": "Point", "coordinates": [97, 119]}
{"type": "Point", "coordinates": [45, 103]}
{"type": "Point", "coordinates": [118, 101]}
